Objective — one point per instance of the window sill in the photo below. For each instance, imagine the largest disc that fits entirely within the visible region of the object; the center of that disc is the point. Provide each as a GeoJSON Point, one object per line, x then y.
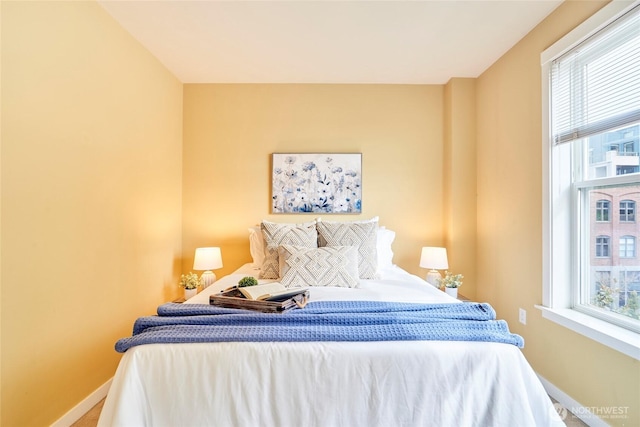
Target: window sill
{"type": "Point", "coordinates": [615, 337]}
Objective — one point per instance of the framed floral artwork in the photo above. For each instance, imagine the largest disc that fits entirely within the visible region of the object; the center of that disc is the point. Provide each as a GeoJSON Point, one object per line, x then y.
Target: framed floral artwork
{"type": "Point", "coordinates": [316, 183]}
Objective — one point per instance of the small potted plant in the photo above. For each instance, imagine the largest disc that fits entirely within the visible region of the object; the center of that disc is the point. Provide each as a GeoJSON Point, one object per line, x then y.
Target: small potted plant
{"type": "Point", "coordinates": [451, 283]}
{"type": "Point", "coordinates": [190, 283]}
{"type": "Point", "coordinates": [247, 281]}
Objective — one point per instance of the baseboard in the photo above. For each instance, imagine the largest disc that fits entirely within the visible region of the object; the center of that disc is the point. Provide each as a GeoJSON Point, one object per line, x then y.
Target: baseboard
{"type": "Point", "coordinates": [568, 403]}
{"type": "Point", "coordinates": [83, 407]}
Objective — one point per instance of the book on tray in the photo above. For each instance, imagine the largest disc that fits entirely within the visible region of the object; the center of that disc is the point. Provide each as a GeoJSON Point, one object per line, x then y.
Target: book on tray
{"type": "Point", "coordinates": [271, 297]}
{"type": "Point", "coordinates": [273, 291]}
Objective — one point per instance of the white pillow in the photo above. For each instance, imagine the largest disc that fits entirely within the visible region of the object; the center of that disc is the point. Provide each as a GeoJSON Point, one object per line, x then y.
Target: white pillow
{"type": "Point", "coordinates": [385, 253]}
{"type": "Point", "coordinates": [256, 246]}
{"type": "Point", "coordinates": [328, 266]}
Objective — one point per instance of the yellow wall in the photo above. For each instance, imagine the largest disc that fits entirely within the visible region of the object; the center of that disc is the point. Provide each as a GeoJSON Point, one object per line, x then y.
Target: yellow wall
{"type": "Point", "coordinates": [459, 161]}
{"type": "Point", "coordinates": [0, 216]}
{"type": "Point", "coordinates": [91, 200]}
{"type": "Point", "coordinates": [509, 222]}
{"type": "Point", "coordinates": [109, 184]}
{"type": "Point", "coordinates": [230, 132]}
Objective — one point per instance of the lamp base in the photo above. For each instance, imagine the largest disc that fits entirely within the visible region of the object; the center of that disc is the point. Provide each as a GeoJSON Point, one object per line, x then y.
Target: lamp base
{"type": "Point", "coordinates": [432, 277]}
{"type": "Point", "coordinates": [207, 278]}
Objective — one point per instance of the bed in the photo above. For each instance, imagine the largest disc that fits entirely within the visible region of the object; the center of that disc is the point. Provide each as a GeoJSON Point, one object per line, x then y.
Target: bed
{"type": "Point", "coordinates": [422, 382]}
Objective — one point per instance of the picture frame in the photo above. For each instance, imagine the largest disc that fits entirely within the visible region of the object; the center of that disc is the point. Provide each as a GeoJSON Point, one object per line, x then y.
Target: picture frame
{"type": "Point", "coordinates": [318, 183]}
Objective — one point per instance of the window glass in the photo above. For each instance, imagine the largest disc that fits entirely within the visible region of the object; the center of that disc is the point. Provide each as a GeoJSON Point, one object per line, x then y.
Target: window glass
{"type": "Point", "coordinates": [627, 211]}
{"type": "Point", "coordinates": [602, 210]}
{"type": "Point", "coordinates": [602, 246]}
{"type": "Point", "coordinates": [591, 129]}
{"type": "Point", "coordinates": [612, 271]}
{"type": "Point", "coordinates": [627, 247]}
{"type": "Point", "coordinates": [614, 153]}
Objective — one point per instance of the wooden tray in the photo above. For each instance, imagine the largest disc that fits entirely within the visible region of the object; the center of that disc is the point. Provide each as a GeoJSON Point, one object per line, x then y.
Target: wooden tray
{"type": "Point", "coordinates": [234, 299]}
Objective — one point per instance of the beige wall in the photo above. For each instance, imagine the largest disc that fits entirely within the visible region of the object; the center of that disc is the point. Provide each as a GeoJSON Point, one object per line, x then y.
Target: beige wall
{"type": "Point", "coordinates": [108, 186]}
{"type": "Point", "coordinates": [459, 180]}
{"type": "Point", "coordinates": [91, 200]}
{"type": "Point", "coordinates": [230, 132]}
{"type": "Point", "coordinates": [509, 225]}
{"type": "Point", "coordinates": [0, 215]}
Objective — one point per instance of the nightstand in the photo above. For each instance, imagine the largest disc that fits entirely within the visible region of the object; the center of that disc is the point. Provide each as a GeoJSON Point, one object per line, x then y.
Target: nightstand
{"type": "Point", "coordinates": [463, 298]}
{"type": "Point", "coordinates": [179, 300]}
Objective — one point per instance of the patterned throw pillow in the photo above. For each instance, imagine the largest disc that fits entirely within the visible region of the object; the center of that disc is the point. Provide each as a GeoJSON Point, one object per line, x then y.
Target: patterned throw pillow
{"type": "Point", "coordinates": [276, 234]}
{"type": "Point", "coordinates": [328, 266]}
{"type": "Point", "coordinates": [362, 234]}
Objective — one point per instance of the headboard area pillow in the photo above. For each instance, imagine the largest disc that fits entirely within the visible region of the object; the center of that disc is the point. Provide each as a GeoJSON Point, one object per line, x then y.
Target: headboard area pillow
{"type": "Point", "coordinates": [256, 246]}
{"type": "Point", "coordinates": [385, 253]}
{"type": "Point", "coordinates": [277, 234]}
{"type": "Point", "coordinates": [328, 266]}
{"type": "Point", "coordinates": [362, 234]}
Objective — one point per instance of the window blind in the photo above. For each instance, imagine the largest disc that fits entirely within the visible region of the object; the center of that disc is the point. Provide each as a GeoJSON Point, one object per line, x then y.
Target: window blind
{"type": "Point", "coordinates": [595, 86]}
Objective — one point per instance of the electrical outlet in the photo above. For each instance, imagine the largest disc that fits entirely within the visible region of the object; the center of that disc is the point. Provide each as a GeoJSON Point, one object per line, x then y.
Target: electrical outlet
{"type": "Point", "coordinates": [523, 316]}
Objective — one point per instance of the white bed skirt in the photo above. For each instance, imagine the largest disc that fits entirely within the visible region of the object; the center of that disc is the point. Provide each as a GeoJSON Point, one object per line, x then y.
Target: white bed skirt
{"type": "Point", "coordinates": [329, 384]}
{"type": "Point", "coordinates": [416, 383]}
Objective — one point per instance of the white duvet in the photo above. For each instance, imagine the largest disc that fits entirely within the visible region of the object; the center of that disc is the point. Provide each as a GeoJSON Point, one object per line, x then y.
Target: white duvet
{"type": "Point", "coordinates": [327, 384]}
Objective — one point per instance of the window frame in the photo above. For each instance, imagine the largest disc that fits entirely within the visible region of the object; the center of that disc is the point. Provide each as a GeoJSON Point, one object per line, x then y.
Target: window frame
{"type": "Point", "coordinates": [627, 239]}
{"type": "Point", "coordinates": [560, 200]}
{"type": "Point", "coordinates": [629, 211]}
{"type": "Point", "coordinates": [603, 242]}
{"type": "Point", "coordinates": [603, 209]}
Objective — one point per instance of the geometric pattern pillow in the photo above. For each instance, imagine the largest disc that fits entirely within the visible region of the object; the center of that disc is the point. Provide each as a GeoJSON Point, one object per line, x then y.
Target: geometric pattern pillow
{"type": "Point", "coordinates": [277, 234]}
{"type": "Point", "coordinates": [362, 234]}
{"type": "Point", "coordinates": [328, 266]}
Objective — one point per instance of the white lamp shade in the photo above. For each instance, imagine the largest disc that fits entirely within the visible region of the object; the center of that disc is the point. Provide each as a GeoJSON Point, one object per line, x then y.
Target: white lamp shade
{"type": "Point", "coordinates": [207, 259]}
{"type": "Point", "coordinates": [434, 258]}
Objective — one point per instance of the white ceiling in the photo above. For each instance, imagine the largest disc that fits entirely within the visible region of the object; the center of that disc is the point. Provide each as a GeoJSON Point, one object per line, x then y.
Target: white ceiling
{"type": "Point", "coordinates": [412, 42]}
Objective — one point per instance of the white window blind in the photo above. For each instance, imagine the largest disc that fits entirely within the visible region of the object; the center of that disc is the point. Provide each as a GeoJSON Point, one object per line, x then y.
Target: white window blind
{"type": "Point", "coordinates": [595, 86]}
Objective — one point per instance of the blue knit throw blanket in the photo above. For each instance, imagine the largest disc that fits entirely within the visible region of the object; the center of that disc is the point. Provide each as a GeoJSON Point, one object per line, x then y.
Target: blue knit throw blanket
{"type": "Point", "coordinates": [322, 321]}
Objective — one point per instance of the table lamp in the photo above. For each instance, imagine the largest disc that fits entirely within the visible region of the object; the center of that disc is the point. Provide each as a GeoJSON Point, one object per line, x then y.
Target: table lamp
{"type": "Point", "coordinates": [434, 259]}
{"type": "Point", "coordinates": [207, 259]}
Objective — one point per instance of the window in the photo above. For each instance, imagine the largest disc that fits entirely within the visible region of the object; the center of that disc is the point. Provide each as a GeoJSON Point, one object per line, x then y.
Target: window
{"type": "Point", "coordinates": [628, 291]}
{"type": "Point", "coordinates": [627, 247]}
{"type": "Point", "coordinates": [591, 91]}
{"type": "Point", "coordinates": [602, 246]}
{"type": "Point", "coordinates": [603, 278]}
{"type": "Point", "coordinates": [627, 211]}
{"type": "Point", "coordinates": [602, 210]}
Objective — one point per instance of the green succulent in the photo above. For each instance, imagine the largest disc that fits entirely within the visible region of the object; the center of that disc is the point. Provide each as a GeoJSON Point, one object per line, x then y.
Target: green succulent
{"type": "Point", "coordinates": [247, 281]}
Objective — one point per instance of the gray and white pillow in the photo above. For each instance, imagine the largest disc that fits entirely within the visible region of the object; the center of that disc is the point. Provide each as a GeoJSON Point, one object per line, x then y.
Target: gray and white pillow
{"type": "Point", "coordinates": [327, 266]}
{"type": "Point", "coordinates": [362, 234]}
{"type": "Point", "coordinates": [276, 234]}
